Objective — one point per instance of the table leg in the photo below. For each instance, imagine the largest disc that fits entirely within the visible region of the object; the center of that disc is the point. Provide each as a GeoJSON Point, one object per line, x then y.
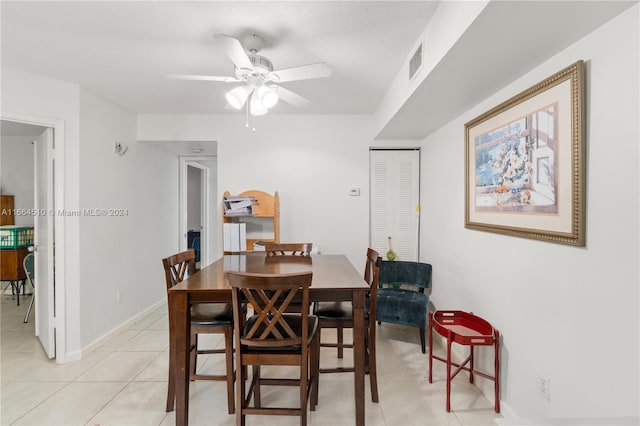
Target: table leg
{"type": "Point", "coordinates": [359, 330]}
{"type": "Point", "coordinates": [430, 347]}
{"type": "Point", "coordinates": [471, 364]}
{"type": "Point", "coordinates": [497, 371]}
{"type": "Point", "coordinates": [449, 338]}
{"type": "Point", "coordinates": [179, 351]}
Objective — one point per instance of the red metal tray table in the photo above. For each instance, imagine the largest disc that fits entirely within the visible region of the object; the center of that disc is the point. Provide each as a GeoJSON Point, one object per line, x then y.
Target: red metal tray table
{"type": "Point", "coordinates": [468, 329]}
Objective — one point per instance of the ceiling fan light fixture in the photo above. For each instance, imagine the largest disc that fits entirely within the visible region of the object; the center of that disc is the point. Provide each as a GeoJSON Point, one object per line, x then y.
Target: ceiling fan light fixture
{"type": "Point", "coordinates": [267, 96]}
{"type": "Point", "coordinates": [257, 107]}
{"type": "Point", "coordinates": [237, 97]}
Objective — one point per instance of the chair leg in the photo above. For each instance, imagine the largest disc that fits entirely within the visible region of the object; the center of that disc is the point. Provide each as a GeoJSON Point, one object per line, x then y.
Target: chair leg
{"type": "Point", "coordinates": [257, 402]}
{"type": "Point", "coordinates": [228, 350]}
{"type": "Point", "coordinates": [193, 355]}
{"type": "Point", "coordinates": [422, 340]}
{"type": "Point", "coordinates": [171, 388]}
{"type": "Point", "coordinates": [314, 362]}
{"type": "Point", "coordinates": [304, 388]}
{"type": "Point", "coordinates": [240, 397]}
{"type": "Point", "coordinates": [26, 316]}
{"type": "Point", "coordinates": [371, 354]}
{"type": "Point", "coordinates": [340, 332]}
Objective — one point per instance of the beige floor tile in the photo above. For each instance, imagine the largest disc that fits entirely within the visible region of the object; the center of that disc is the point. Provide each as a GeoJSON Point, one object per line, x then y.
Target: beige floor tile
{"type": "Point", "coordinates": [14, 365]}
{"type": "Point", "coordinates": [73, 405]}
{"type": "Point", "coordinates": [156, 371]}
{"type": "Point", "coordinates": [50, 371]}
{"type": "Point", "coordinates": [207, 405]}
{"type": "Point", "coordinates": [426, 407]}
{"type": "Point", "coordinates": [139, 403]}
{"type": "Point", "coordinates": [336, 405]}
{"type": "Point", "coordinates": [18, 341]}
{"type": "Point", "coordinates": [161, 324]}
{"type": "Point", "coordinates": [21, 397]}
{"type": "Point", "coordinates": [118, 367]}
{"type": "Point", "coordinates": [148, 319]}
{"type": "Point", "coordinates": [147, 341]}
{"type": "Point", "coordinates": [118, 340]}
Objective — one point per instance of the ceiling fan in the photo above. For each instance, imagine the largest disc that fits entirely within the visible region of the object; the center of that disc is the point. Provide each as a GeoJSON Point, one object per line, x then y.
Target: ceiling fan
{"type": "Point", "coordinates": [258, 91]}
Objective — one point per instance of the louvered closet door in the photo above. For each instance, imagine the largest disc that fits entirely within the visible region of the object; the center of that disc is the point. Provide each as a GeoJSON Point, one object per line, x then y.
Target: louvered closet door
{"type": "Point", "coordinates": [395, 197]}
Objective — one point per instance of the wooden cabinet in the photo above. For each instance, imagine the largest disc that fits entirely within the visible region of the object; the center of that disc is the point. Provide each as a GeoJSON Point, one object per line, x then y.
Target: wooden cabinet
{"type": "Point", "coordinates": [264, 222]}
{"type": "Point", "coordinates": [6, 210]}
{"type": "Point", "coordinates": [11, 268]}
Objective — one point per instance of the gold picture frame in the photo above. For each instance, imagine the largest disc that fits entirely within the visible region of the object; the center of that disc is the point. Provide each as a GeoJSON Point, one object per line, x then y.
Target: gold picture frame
{"type": "Point", "coordinates": [525, 163]}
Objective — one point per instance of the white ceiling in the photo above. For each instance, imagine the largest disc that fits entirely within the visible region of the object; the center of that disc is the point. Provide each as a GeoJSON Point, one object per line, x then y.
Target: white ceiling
{"type": "Point", "coordinates": [11, 128]}
{"type": "Point", "coordinates": [122, 50]}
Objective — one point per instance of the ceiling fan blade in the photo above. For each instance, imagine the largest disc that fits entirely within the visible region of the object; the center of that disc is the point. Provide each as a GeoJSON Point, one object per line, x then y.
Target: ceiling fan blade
{"type": "Point", "coordinates": [304, 72]}
{"type": "Point", "coordinates": [234, 50]}
{"type": "Point", "coordinates": [203, 77]}
{"type": "Point", "coordinates": [290, 97]}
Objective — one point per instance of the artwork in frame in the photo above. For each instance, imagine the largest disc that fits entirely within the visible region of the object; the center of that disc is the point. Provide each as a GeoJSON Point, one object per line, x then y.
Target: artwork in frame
{"type": "Point", "coordinates": [524, 163]}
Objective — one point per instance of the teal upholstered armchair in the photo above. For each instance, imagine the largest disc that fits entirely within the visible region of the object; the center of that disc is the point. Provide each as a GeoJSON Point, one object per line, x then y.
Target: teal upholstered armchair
{"type": "Point", "coordinates": [400, 305]}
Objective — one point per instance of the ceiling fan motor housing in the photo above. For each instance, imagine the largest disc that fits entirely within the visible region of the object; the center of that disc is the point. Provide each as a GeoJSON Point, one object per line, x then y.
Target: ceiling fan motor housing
{"type": "Point", "coordinates": [261, 64]}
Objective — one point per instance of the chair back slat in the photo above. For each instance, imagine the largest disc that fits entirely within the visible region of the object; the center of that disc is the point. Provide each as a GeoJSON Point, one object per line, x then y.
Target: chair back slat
{"type": "Point", "coordinates": [270, 295]}
{"type": "Point", "coordinates": [288, 249]}
{"type": "Point", "coordinates": [178, 267]}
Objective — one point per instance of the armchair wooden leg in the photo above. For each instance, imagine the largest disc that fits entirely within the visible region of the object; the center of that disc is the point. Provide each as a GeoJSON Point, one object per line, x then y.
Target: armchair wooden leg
{"type": "Point", "coordinates": [422, 340]}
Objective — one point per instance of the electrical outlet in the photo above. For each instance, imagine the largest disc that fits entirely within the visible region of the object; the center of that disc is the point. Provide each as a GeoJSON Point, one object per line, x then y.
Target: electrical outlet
{"type": "Point", "coordinates": [118, 296]}
{"type": "Point", "coordinates": [543, 386]}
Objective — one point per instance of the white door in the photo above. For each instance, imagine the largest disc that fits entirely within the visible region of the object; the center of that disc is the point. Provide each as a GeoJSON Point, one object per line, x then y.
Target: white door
{"type": "Point", "coordinates": [43, 241]}
{"type": "Point", "coordinates": [395, 202]}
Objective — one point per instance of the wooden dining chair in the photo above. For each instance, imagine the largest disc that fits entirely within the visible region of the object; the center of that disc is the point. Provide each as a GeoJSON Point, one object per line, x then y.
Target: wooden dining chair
{"type": "Point", "coordinates": [339, 315]}
{"type": "Point", "coordinates": [288, 249]}
{"type": "Point", "coordinates": [206, 318]}
{"type": "Point", "coordinates": [272, 336]}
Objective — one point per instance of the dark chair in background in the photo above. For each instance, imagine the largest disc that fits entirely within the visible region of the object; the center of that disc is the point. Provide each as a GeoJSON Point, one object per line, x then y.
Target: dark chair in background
{"type": "Point", "coordinates": [195, 245]}
{"type": "Point", "coordinates": [339, 315]}
{"type": "Point", "coordinates": [402, 305]}
{"type": "Point", "coordinates": [205, 318]}
{"type": "Point", "coordinates": [272, 336]}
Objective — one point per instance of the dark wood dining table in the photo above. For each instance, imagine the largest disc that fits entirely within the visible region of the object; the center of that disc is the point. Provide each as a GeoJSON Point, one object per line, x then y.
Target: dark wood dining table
{"type": "Point", "coordinates": [334, 279]}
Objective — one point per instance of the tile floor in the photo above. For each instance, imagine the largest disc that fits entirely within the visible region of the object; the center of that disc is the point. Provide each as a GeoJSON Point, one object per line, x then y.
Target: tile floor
{"type": "Point", "coordinates": [124, 383]}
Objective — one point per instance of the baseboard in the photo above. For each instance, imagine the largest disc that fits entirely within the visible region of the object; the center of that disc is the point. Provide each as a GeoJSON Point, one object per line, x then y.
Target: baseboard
{"type": "Point", "coordinates": [101, 340]}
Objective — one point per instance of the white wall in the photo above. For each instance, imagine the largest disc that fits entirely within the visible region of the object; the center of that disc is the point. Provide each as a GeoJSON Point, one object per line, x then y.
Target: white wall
{"type": "Point", "coordinates": [570, 313]}
{"type": "Point", "coordinates": [311, 161]}
{"type": "Point", "coordinates": [17, 174]}
{"type": "Point", "coordinates": [122, 253]}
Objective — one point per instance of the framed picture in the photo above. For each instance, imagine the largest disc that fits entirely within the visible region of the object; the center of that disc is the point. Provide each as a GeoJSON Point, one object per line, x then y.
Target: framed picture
{"type": "Point", "coordinates": [524, 163]}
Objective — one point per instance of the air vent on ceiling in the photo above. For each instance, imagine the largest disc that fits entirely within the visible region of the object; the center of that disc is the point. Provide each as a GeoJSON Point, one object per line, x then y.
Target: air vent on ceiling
{"type": "Point", "coordinates": [415, 62]}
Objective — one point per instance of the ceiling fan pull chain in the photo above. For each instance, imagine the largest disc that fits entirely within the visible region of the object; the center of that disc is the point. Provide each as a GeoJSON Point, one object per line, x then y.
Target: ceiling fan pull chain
{"type": "Point", "coordinates": [246, 123]}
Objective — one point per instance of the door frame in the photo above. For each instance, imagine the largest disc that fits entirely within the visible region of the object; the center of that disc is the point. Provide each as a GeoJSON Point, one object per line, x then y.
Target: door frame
{"type": "Point", "coordinates": [57, 156]}
{"type": "Point", "coordinates": [205, 213]}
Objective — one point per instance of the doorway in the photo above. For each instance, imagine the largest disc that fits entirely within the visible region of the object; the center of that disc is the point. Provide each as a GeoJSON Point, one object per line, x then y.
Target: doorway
{"type": "Point", "coordinates": [198, 213]}
{"type": "Point", "coordinates": [28, 171]}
